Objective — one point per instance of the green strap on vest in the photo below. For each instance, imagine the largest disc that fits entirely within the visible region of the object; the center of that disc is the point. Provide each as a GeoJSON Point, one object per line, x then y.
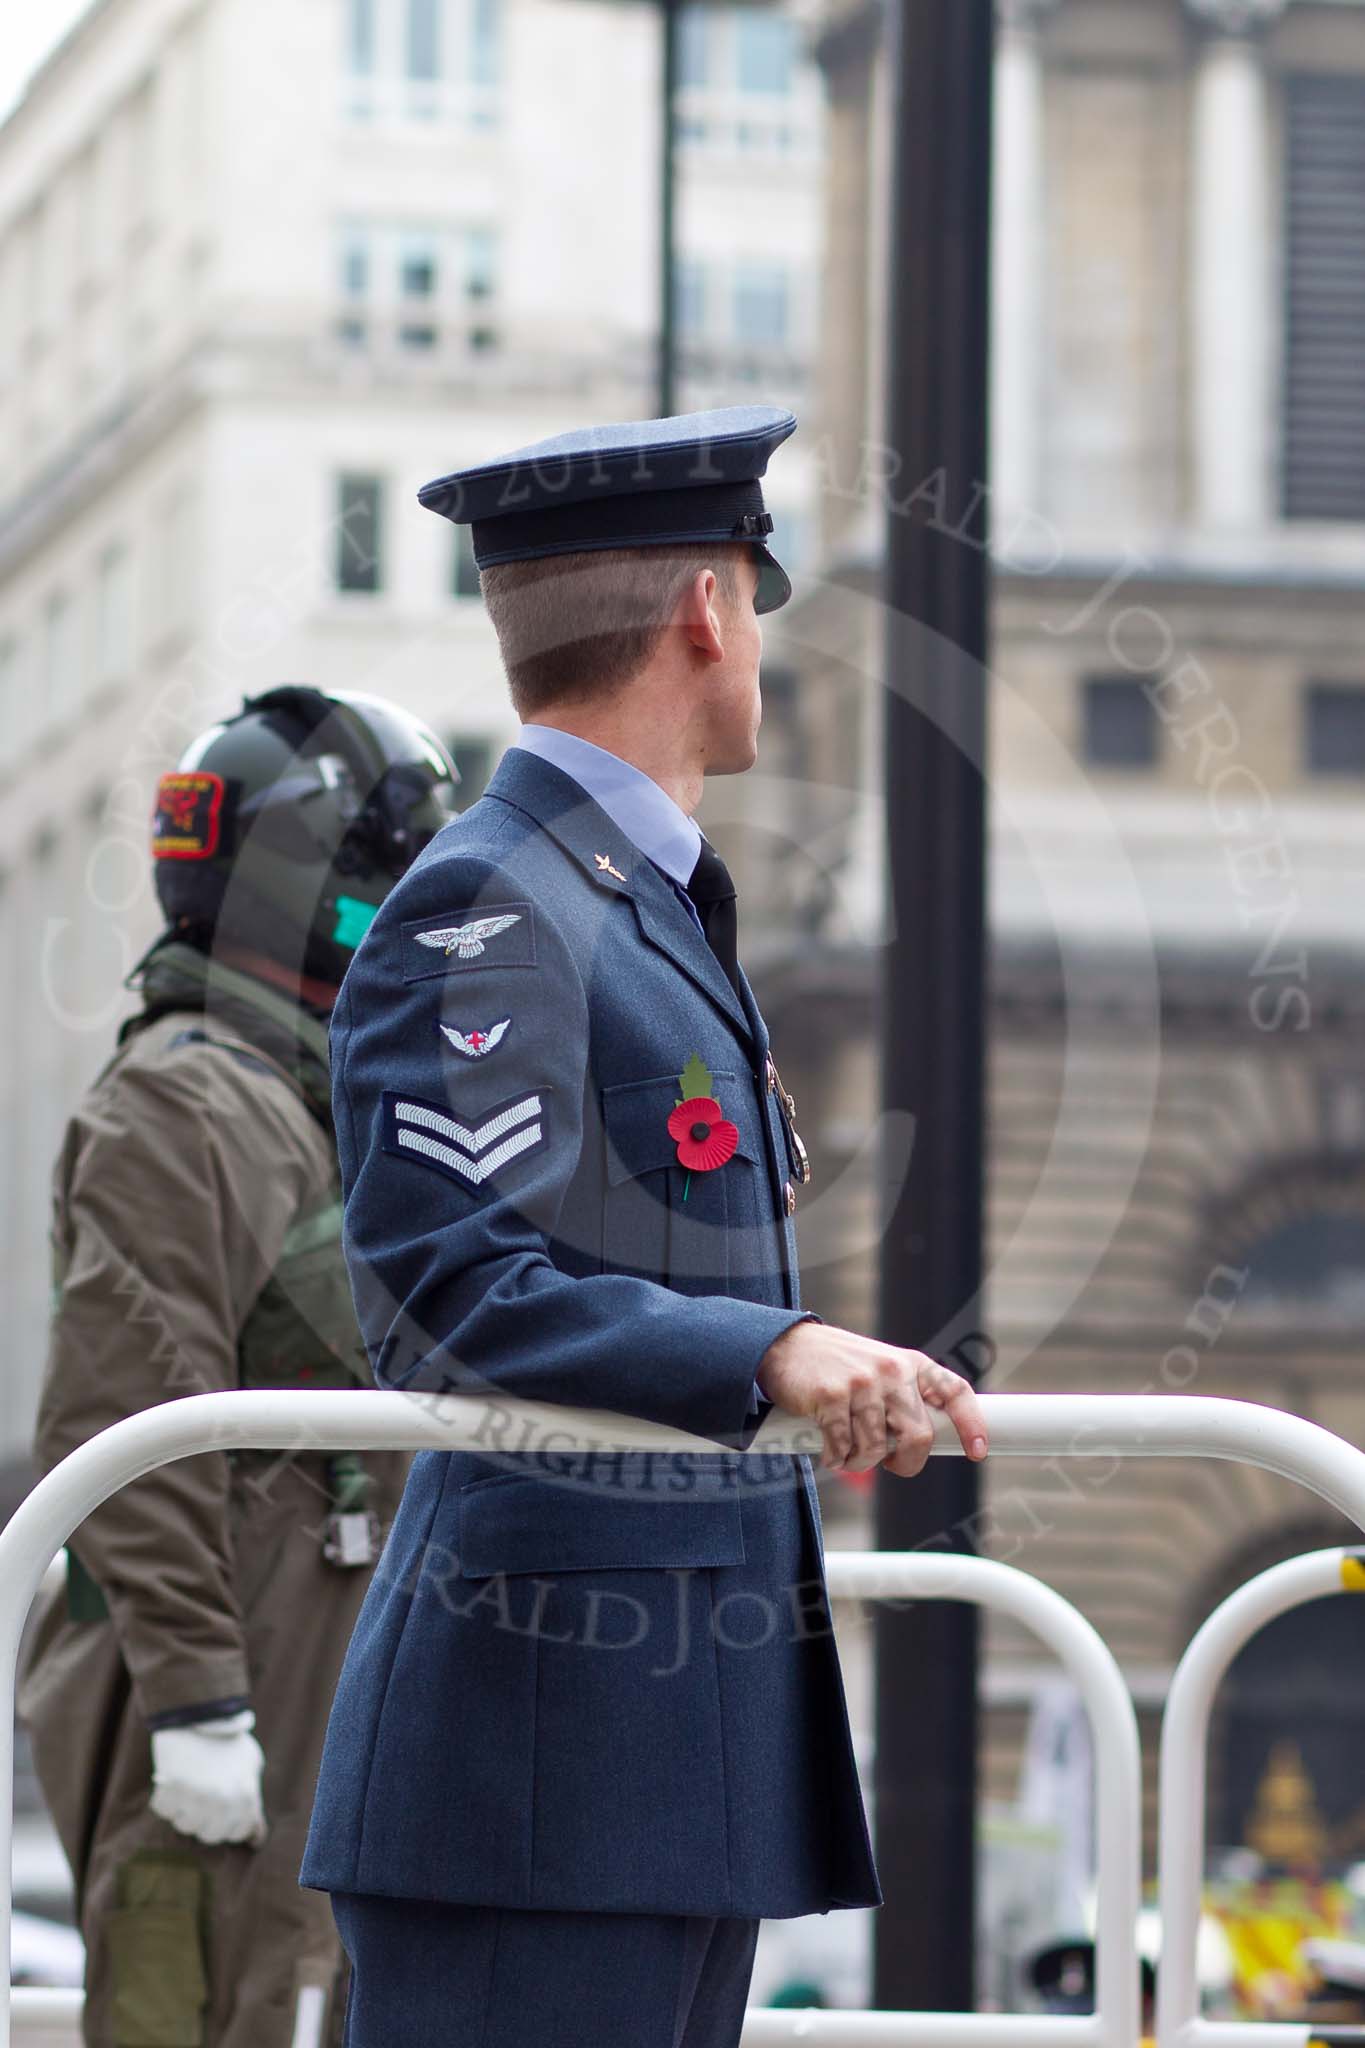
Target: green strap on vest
{"type": "Point", "coordinates": [348, 1482]}
{"type": "Point", "coordinates": [84, 1599]}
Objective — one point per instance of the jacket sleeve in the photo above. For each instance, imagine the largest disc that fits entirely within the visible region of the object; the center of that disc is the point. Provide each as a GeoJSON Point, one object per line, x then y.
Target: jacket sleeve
{"type": "Point", "coordinates": [458, 1172]}
{"type": "Point", "coordinates": [173, 1195]}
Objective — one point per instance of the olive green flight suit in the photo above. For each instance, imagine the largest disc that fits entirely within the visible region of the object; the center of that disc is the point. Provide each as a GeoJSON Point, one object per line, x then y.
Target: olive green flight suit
{"type": "Point", "coordinates": [196, 1232]}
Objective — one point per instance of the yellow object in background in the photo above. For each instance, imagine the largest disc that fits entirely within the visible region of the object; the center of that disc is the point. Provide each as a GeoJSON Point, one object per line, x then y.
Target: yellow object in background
{"type": "Point", "coordinates": [1266, 1923]}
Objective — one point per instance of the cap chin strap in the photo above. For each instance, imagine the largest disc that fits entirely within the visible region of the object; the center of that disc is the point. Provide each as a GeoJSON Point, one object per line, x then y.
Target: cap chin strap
{"type": "Point", "coordinates": [693, 515]}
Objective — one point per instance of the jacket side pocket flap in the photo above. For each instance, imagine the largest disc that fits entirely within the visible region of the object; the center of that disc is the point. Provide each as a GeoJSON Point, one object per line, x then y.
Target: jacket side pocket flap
{"type": "Point", "coordinates": [516, 1523]}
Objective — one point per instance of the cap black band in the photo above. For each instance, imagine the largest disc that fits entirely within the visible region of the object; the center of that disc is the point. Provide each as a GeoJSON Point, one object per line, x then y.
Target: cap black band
{"type": "Point", "coordinates": [701, 512]}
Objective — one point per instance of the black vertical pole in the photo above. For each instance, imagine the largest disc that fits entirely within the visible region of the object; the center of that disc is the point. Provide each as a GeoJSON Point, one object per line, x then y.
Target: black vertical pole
{"type": "Point", "coordinates": [669, 11]}
{"type": "Point", "coordinates": [933, 990]}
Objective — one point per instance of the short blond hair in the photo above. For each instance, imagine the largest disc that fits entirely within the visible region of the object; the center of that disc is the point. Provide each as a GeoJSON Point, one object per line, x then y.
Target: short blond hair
{"type": "Point", "coordinates": [576, 626]}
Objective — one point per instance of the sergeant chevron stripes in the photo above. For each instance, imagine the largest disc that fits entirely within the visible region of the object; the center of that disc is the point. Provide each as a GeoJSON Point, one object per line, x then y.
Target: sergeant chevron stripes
{"type": "Point", "coordinates": [474, 1152]}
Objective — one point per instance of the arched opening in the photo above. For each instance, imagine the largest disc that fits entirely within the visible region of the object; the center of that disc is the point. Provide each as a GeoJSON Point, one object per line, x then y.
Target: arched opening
{"type": "Point", "coordinates": [1289, 1783]}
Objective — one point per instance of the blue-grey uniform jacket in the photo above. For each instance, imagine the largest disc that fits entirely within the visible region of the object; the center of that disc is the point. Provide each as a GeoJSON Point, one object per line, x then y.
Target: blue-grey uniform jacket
{"type": "Point", "coordinates": [600, 1682]}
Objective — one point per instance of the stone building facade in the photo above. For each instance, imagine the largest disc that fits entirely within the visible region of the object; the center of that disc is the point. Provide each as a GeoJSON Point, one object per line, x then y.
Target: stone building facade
{"type": "Point", "coordinates": [1176, 1090]}
{"type": "Point", "coordinates": [264, 270]}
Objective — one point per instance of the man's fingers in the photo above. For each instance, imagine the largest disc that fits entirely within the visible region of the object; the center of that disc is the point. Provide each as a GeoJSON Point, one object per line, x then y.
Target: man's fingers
{"type": "Point", "coordinates": [837, 1430]}
{"type": "Point", "coordinates": [869, 1435]}
{"type": "Point", "coordinates": [913, 1430]}
{"type": "Point", "coordinates": [877, 1411]}
{"type": "Point", "coordinates": [952, 1394]}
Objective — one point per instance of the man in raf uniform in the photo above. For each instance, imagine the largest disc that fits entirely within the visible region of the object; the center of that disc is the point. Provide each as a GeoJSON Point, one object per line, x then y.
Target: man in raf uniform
{"type": "Point", "coordinates": [591, 1728]}
{"type": "Point", "coordinates": [176, 1688]}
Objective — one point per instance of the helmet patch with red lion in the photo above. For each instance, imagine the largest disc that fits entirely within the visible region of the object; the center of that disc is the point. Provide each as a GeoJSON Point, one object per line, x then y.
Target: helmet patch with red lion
{"type": "Point", "coordinates": [186, 820]}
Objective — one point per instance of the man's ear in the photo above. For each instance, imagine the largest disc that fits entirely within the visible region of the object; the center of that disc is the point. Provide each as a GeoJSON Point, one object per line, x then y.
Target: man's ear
{"type": "Point", "coordinates": [698, 615]}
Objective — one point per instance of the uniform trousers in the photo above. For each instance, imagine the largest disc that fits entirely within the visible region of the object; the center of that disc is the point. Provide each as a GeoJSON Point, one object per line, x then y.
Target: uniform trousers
{"type": "Point", "coordinates": [442, 1976]}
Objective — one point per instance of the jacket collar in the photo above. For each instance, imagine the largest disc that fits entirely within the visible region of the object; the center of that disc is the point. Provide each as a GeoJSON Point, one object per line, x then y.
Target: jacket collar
{"type": "Point", "coordinates": [175, 976]}
{"type": "Point", "coordinates": [578, 823]}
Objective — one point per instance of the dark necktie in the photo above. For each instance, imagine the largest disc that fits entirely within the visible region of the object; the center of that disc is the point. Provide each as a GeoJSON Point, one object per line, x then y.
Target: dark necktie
{"type": "Point", "coordinates": [713, 893]}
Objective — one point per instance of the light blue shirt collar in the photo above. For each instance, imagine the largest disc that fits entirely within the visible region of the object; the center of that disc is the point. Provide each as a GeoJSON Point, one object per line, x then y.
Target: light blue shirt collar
{"type": "Point", "coordinates": [634, 802]}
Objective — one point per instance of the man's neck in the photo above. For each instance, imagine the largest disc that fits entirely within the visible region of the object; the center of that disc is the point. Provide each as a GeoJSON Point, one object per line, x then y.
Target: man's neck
{"type": "Point", "coordinates": [320, 994]}
{"type": "Point", "coordinates": [656, 755]}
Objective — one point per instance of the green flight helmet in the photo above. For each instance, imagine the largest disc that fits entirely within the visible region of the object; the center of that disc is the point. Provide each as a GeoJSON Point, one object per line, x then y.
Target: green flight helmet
{"type": "Point", "coordinates": [283, 828]}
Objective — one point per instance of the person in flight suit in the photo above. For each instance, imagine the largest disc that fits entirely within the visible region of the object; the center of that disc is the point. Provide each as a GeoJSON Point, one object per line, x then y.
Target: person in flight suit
{"type": "Point", "coordinates": [591, 1727]}
{"type": "Point", "coordinates": [176, 1687]}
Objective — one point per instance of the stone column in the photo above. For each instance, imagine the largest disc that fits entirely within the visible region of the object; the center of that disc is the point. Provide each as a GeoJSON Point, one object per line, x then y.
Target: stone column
{"type": "Point", "coordinates": [1017, 257]}
{"type": "Point", "coordinates": [847, 53]}
{"type": "Point", "coordinates": [1233, 310]}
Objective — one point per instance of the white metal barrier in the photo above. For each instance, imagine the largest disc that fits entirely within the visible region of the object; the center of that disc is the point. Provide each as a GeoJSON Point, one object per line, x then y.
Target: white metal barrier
{"type": "Point", "coordinates": [1184, 1748]}
{"type": "Point", "coordinates": [1041, 1425]}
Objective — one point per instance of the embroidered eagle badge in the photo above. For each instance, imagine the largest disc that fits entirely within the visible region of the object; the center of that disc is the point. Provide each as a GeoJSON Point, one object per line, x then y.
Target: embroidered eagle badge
{"type": "Point", "coordinates": [467, 940]}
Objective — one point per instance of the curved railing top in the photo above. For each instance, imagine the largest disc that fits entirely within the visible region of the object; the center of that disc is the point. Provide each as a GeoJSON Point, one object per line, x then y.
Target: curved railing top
{"type": "Point", "coordinates": [1024, 1425]}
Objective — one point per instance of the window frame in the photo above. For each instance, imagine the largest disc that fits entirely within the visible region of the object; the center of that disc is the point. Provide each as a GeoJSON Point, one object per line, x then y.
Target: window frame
{"type": "Point", "coordinates": [1321, 753]}
{"type": "Point", "coordinates": [376, 481]}
{"type": "Point", "coordinates": [1095, 685]}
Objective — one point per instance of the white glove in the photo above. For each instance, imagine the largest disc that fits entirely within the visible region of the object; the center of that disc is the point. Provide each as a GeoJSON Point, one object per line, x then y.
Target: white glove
{"type": "Point", "coordinates": [206, 1779]}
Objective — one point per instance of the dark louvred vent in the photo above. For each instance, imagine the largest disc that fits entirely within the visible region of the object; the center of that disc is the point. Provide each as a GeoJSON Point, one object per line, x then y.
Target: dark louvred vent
{"type": "Point", "coordinates": [1324, 371]}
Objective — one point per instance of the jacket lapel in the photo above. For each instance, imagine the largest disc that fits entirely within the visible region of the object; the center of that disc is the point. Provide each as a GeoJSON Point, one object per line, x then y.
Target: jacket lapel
{"type": "Point", "coordinates": [587, 834]}
{"type": "Point", "coordinates": [757, 1029]}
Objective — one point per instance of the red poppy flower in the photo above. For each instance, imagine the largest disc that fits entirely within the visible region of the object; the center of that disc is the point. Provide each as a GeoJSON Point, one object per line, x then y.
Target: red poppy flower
{"type": "Point", "coordinates": [705, 1138]}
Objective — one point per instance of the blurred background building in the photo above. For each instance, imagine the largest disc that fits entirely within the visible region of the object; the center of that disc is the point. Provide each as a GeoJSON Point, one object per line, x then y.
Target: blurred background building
{"type": "Point", "coordinates": [263, 270]}
{"type": "Point", "coordinates": [1177, 521]}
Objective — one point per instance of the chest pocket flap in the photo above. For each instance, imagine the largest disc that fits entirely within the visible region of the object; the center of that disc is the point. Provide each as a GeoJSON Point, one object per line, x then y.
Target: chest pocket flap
{"type": "Point", "coordinates": [635, 1118]}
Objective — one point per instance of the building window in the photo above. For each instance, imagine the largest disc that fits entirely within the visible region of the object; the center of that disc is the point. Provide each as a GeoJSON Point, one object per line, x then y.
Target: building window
{"type": "Point", "coordinates": [354, 280]}
{"type": "Point", "coordinates": [355, 262]}
{"type": "Point", "coordinates": [760, 310]}
{"type": "Point", "coordinates": [743, 81]}
{"type": "Point", "coordinates": [1118, 723]}
{"type": "Point", "coordinates": [1334, 728]}
{"type": "Point", "coordinates": [423, 59]}
{"type": "Point", "coordinates": [464, 578]}
{"type": "Point", "coordinates": [417, 291]}
{"type": "Point", "coordinates": [417, 272]}
{"type": "Point", "coordinates": [732, 49]}
{"type": "Point", "coordinates": [689, 298]}
{"type": "Point", "coordinates": [474, 759]}
{"type": "Point", "coordinates": [764, 48]}
{"type": "Point", "coordinates": [784, 736]}
{"type": "Point", "coordinates": [113, 617]}
{"type": "Point", "coordinates": [424, 39]}
{"type": "Point", "coordinates": [480, 263]}
{"type": "Point", "coordinates": [359, 533]}
{"type": "Point", "coordinates": [360, 38]}
{"type": "Point", "coordinates": [695, 29]}
{"type": "Point", "coordinates": [1324, 393]}
{"type": "Point", "coordinates": [483, 42]}
{"type": "Point", "coordinates": [59, 654]}
{"type": "Point", "coordinates": [743, 308]}
{"type": "Point", "coordinates": [418, 284]}
{"type": "Point", "coordinates": [789, 538]}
